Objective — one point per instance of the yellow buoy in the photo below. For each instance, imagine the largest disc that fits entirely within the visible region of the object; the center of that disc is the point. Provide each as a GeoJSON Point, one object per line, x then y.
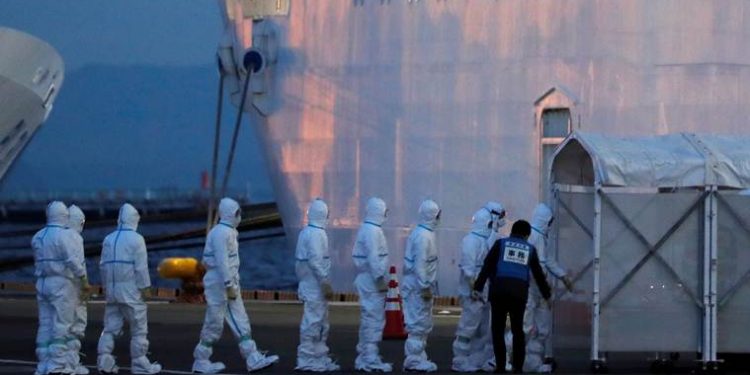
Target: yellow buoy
{"type": "Point", "coordinates": [180, 268]}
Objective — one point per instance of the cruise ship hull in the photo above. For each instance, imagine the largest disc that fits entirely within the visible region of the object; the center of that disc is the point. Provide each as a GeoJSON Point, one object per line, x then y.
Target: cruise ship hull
{"type": "Point", "coordinates": [408, 100]}
{"type": "Point", "coordinates": [31, 74]}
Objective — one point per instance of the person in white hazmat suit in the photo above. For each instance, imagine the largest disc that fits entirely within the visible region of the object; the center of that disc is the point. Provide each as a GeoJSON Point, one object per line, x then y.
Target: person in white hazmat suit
{"type": "Point", "coordinates": [313, 268]}
{"type": "Point", "coordinates": [223, 296]}
{"type": "Point", "coordinates": [60, 279]}
{"type": "Point", "coordinates": [472, 348]}
{"type": "Point", "coordinates": [370, 255]}
{"type": "Point", "coordinates": [78, 329]}
{"type": "Point", "coordinates": [126, 282]}
{"type": "Point", "coordinates": [420, 273]}
{"type": "Point", "coordinates": [497, 214]}
{"type": "Point", "coordinates": [538, 315]}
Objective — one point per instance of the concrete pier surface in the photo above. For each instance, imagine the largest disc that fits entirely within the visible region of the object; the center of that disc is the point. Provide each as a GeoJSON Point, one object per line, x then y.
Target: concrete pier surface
{"type": "Point", "coordinates": [174, 330]}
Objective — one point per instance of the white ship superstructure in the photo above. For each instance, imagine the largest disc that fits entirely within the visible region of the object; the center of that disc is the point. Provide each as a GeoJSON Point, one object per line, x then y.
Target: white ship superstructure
{"type": "Point", "coordinates": [31, 74]}
{"type": "Point", "coordinates": [462, 101]}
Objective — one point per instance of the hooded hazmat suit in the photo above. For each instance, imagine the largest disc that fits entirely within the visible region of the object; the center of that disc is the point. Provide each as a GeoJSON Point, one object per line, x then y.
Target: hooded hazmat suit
{"type": "Point", "coordinates": [538, 316]}
{"type": "Point", "coordinates": [75, 224]}
{"type": "Point", "coordinates": [370, 255]}
{"type": "Point", "coordinates": [313, 268]}
{"type": "Point", "coordinates": [125, 277]}
{"type": "Point", "coordinates": [472, 348]}
{"type": "Point", "coordinates": [497, 215]}
{"type": "Point", "coordinates": [223, 296]}
{"type": "Point", "coordinates": [420, 273]}
{"type": "Point", "coordinates": [58, 271]}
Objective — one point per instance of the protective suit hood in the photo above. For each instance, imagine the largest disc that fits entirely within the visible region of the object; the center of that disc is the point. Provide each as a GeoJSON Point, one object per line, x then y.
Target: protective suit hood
{"type": "Point", "coordinates": [375, 211]}
{"type": "Point", "coordinates": [428, 213]}
{"type": "Point", "coordinates": [77, 218]}
{"type": "Point", "coordinates": [481, 222]}
{"type": "Point", "coordinates": [495, 209]}
{"type": "Point", "coordinates": [57, 213]}
{"type": "Point", "coordinates": [541, 218]}
{"type": "Point", "coordinates": [228, 212]}
{"type": "Point", "coordinates": [317, 213]}
{"type": "Point", "coordinates": [129, 217]}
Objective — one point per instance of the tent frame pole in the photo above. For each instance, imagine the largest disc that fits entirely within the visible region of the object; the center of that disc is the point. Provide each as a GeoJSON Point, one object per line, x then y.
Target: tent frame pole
{"type": "Point", "coordinates": [597, 254]}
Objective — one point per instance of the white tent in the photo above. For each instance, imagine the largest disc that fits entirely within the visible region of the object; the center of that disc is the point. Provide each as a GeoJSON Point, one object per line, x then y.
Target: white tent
{"type": "Point", "coordinates": [657, 235]}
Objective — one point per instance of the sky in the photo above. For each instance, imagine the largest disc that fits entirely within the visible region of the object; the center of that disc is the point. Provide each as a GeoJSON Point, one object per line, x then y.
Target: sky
{"type": "Point", "coordinates": [136, 110]}
{"type": "Point", "coordinates": [121, 32]}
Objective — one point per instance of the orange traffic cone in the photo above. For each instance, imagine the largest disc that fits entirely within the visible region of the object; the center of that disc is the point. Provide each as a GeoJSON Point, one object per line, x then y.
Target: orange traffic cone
{"type": "Point", "coordinates": [394, 313]}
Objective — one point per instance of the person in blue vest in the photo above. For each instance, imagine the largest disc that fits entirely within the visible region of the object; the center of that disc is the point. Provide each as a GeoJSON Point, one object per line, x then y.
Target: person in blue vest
{"type": "Point", "coordinates": [507, 266]}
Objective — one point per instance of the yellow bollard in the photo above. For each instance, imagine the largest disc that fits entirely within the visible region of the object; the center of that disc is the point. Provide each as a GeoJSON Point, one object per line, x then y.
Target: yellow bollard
{"type": "Point", "coordinates": [181, 268]}
{"type": "Point", "coordinates": [190, 271]}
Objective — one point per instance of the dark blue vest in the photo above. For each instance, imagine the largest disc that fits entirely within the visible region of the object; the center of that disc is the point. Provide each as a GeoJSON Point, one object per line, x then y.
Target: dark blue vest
{"type": "Point", "coordinates": [515, 255]}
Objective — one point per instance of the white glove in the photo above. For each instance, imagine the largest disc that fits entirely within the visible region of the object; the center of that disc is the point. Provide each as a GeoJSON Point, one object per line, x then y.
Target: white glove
{"type": "Point", "coordinates": [568, 283]}
{"type": "Point", "coordinates": [231, 293]}
{"type": "Point", "coordinates": [477, 296]}
{"type": "Point", "coordinates": [327, 290]}
{"type": "Point", "coordinates": [381, 284]}
{"type": "Point", "coordinates": [146, 293]}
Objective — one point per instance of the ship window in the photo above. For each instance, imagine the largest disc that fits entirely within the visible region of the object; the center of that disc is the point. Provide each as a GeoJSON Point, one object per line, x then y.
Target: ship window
{"type": "Point", "coordinates": [555, 125]}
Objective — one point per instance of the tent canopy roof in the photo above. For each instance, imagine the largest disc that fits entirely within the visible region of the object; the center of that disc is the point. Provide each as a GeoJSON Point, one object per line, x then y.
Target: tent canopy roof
{"type": "Point", "coordinates": [673, 160]}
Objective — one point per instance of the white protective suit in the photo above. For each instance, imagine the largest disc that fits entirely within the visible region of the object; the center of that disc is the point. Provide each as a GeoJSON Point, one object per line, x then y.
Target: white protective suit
{"type": "Point", "coordinates": [472, 348]}
{"type": "Point", "coordinates": [58, 273]}
{"type": "Point", "coordinates": [222, 261]}
{"type": "Point", "coordinates": [420, 274]}
{"type": "Point", "coordinates": [313, 268]}
{"type": "Point", "coordinates": [370, 256]}
{"type": "Point", "coordinates": [75, 224]}
{"type": "Point", "coordinates": [497, 214]}
{"type": "Point", "coordinates": [538, 316]}
{"type": "Point", "coordinates": [124, 273]}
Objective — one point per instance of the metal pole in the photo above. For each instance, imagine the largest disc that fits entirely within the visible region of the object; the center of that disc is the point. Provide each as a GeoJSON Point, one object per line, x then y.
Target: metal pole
{"type": "Point", "coordinates": [215, 159]}
{"type": "Point", "coordinates": [597, 256]}
{"type": "Point", "coordinates": [706, 339]}
{"type": "Point", "coordinates": [240, 111]}
{"type": "Point", "coordinates": [714, 274]}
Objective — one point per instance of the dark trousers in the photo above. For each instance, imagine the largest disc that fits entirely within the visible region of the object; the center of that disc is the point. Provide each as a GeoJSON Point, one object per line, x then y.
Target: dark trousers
{"type": "Point", "coordinates": [501, 307]}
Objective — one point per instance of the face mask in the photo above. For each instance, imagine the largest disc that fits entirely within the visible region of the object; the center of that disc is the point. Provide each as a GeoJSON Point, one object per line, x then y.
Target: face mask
{"type": "Point", "coordinates": [550, 222]}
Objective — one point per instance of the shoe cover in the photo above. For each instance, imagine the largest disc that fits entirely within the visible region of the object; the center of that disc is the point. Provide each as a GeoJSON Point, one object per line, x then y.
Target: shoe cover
{"type": "Point", "coordinates": [422, 366]}
{"type": "Point", "coordinates": [326, 364]}
{"type": "Point", "coordinates": [81, 370]}
{"type": "Point", "coordinates": [142, 365]}
{"type": "Point", "coordinates": [203, 366]}
{"type": "Point", "coordinates": [106, 364]}
{"type": "Point", "coordinates": [374, 367]}
{"type": "Point", "coordinates": [259, 361]}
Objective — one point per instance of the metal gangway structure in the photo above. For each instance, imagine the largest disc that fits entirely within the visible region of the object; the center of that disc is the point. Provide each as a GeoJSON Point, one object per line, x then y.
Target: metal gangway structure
{"type": "Point", "coordinates": [657, 232]}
